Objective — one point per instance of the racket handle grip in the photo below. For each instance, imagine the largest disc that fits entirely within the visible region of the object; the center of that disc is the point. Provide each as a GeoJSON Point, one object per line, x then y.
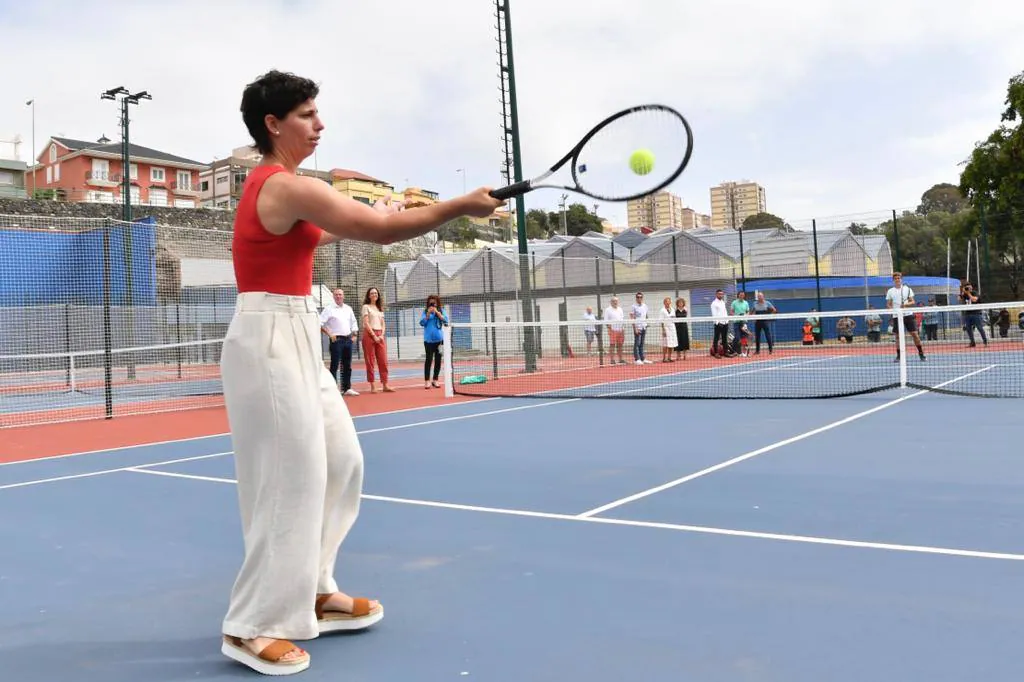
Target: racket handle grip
{"type": "Point", "coordinates": [510, 191]}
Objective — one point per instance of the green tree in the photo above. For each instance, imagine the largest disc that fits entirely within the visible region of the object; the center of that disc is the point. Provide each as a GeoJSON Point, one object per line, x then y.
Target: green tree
{"type": "Point", "coordinates": [861, 228]}
{"type": "Point", "coordinates": [992, 181]}
{"type": "Point", "coordinates": [538, 225]}
{"type": "Point", "coordinates": [579, 220]}
{"type": "Point", "coordinates": [461, 231]}
{"type": "Point", "coordinates": [765, 220]}
{"type": "Point", "coordinates": [923, 241]}
{"type": "Point", "coordinates": [942, 197]}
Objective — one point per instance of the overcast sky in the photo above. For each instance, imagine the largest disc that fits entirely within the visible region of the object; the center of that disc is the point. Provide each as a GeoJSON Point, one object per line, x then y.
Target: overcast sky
{"type": "Point", "coordinates": [836, 107]}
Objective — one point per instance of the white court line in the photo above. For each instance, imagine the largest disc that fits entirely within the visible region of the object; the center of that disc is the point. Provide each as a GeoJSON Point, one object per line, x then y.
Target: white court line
{"type": "Point", "coordinates": [707, 530]}
{"type": "Point", "coordinates": [396, 427]}
{"type": "Point", "coordinates": [716, 376]}
{"type": "Point", "coordinates": [90, 474]}
{"type": "Point", "coordinates": [715, 372]}
{"type": "Point", "coordinates": [470, 416]}
{"type": "Point", "coordinates": [122, 447]}
{"type": "Point", "coordinates": [768, 448]}
{"type": "Point", "coordinates": [172, 474]}
{"type": "Point", "coordinates": [221, 435]}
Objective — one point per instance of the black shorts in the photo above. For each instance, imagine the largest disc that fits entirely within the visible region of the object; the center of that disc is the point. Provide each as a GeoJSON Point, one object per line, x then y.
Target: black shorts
{"type": "Point", "coordinates": [909, 323]}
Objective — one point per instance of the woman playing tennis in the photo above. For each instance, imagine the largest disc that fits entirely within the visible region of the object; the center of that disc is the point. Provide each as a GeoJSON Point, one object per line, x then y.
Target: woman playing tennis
{"type": "Point", "coordinates": [298, 461]}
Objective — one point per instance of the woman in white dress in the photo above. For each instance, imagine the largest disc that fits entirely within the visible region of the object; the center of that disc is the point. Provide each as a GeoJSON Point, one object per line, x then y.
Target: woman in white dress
{"type": "Point", "coordinates": [668, 331]}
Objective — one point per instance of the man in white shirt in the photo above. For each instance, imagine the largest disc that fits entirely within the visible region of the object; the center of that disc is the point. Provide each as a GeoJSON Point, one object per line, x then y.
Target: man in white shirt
{"type": "Point", "coordinates": [338, 321]}
{"type": "Point", "coordinates": [721, 316]}
{"type": "Point", "coordinates": [616, 334]}
{"type": "Point", "coordinates": [590, 329]}
{"type": "Point", "coordinates": [639, 312]}
{"type": "Point", "coordinates": [898, 297]}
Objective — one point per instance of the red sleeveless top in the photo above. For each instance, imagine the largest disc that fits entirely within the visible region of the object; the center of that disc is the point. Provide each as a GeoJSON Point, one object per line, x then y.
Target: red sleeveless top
{"type": "Point", "coordinates": [277, 264]}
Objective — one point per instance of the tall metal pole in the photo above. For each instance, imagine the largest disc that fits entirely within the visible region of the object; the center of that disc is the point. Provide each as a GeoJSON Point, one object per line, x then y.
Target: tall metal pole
{"type": "Point", "coordinates": [817, 275]}
{"type": "Point", "coordinates": [108, 372]}
{"type": "Point", "coordinates": [517, 164]}
{"type": "Point", "coordinates": [896, 239]}
{"type": "Point", "coordinates": [732, 207]}
{"type": "Point", "coordinates": [32, 103]}
{"type": "Point", "coordinates": [127, 98]}
{"type": "Point", "coordinates": [984, 243]}
{"type": "Point", "coordinates": [126, 212]}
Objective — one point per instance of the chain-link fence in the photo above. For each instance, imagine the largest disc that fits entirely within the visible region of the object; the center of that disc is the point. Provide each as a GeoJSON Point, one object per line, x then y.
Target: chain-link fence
{"type": "Point", "coordinates": [100, 317]}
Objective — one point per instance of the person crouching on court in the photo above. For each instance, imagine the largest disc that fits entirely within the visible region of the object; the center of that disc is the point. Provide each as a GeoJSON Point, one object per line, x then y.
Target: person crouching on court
{"type": "Point", "coordinates": [298, 461]}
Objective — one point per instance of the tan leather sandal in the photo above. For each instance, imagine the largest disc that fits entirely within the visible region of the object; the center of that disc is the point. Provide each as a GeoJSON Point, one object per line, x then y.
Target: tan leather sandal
{"type": "Point", "coordinates": [362, 615]}
{"type": "Point", "coordinates": [268, 661]}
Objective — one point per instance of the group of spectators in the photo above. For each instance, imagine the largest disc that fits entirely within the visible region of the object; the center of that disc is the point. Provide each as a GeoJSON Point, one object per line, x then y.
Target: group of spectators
{"type": "Point", "coordinates": [733, 337]}
{"type": "Point", "coordinates": [339, 323]}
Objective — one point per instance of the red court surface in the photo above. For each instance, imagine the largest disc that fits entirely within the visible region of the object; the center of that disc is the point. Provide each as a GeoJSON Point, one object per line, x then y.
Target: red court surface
{"type": "Point", "coordinates": [35, 442]}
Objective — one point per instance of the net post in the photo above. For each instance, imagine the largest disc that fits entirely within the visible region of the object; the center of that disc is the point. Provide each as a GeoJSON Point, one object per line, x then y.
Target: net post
{"type": "Point", "coordinates": [901, 346]}
{"type": "Point", "coordinates": [446, 364]}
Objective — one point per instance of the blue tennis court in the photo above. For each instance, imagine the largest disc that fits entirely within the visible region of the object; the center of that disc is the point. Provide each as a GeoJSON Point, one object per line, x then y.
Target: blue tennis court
{"type": "Point", "coordinates": [870, 537]}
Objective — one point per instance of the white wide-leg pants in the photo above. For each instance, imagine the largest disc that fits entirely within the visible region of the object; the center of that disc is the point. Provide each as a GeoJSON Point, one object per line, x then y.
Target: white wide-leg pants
{"type": "Point", "coordinates": [298, 463]}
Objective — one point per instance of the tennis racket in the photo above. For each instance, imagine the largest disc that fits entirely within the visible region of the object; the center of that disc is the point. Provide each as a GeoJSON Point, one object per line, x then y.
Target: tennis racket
{"type": "Point", "coordinates": [599, 165]}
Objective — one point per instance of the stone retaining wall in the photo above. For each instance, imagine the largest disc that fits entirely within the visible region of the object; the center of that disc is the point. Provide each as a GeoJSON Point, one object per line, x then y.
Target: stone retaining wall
{"type": "Point", "coordinates": [204, 218]}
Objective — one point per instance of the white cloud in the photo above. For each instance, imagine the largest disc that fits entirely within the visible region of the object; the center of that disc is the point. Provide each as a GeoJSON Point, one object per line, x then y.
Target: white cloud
{"type": "Point", "coordinates": [410, 90]}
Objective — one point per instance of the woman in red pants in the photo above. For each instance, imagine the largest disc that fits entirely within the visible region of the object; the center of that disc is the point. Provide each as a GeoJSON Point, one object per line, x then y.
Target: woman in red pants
{"type": "Point", "coordinates": [375, 345]}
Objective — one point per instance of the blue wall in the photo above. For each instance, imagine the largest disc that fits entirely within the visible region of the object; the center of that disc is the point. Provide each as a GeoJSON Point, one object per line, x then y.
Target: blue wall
{"type": "Point", "coordinates": [462, 338]}
{"type": "Point", "coordinates": [41, 268]}
{"type": "Point", "coordinates": [792, 330]}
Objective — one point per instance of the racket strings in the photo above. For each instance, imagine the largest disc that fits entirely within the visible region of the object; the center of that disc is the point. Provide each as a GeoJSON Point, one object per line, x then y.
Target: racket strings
{"type": "Point", "coordinates": [603, 165]}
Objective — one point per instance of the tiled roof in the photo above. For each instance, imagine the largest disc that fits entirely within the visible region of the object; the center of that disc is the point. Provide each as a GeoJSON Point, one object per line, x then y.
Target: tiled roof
{"type": "Point", "coordinates": [728, 241]}
{"type": "Point", "coordinates": [134, 150]}
{"type": "Point", "coordinates": [630, 238]}
{"type": "Point", "coordinates": [346, 174]}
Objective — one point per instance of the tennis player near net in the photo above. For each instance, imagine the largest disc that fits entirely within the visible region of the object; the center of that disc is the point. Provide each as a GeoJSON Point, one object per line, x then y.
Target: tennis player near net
{"type": "Point", "coordinates": [298, 460]}
{"type": "Point", "coordinates": [899, 296]}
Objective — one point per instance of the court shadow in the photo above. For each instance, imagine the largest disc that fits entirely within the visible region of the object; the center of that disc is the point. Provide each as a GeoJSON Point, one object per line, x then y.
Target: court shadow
{"type": "Point", "coordinates": [126, 661]}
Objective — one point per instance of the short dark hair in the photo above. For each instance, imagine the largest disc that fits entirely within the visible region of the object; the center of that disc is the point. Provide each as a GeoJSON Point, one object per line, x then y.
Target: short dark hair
{"type": "Point", "coordinates": [276, 93]}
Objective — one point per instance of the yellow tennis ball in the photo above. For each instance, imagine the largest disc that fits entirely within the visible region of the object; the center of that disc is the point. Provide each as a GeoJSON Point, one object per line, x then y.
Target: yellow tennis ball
{"type": "Point", "coordinates": [641, 161]}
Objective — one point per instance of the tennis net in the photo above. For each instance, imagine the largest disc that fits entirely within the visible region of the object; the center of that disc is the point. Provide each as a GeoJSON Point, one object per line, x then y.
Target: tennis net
{"type": "Point", "coordinates": [973, 350]}
{"type": "Point", "coordinates": [58, 387]}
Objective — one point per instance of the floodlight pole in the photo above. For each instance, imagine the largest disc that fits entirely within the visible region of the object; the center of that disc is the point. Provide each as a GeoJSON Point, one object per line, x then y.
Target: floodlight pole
{"type": "Point", "coordinates": [32, 103]}
{"type": "Point", "coordinates": [127, 98]}
{"type": "Point", "coordinates": [530, 333]}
